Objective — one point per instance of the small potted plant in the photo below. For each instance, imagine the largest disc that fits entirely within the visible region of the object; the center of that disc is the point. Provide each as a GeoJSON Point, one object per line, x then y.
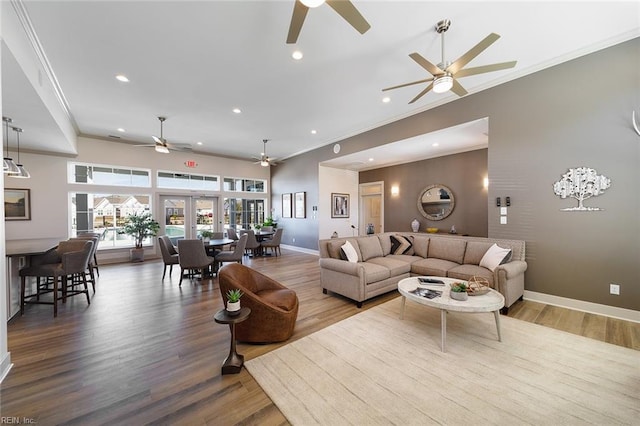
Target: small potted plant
{"type": "Point", "coordinates": [459, 291]}
{"type": "Point", "coordinates": [206, 234]}
{"type": "Point", "coordinates": [233, 301]}
{"type": "Point", "coordinates": [139, 227]}
{"type": "Point", "coordinates": [268, 221]}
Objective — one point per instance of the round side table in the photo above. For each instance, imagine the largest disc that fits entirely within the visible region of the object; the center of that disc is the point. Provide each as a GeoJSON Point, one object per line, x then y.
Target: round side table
{"type": "Point", "coordinates": [233, 363]}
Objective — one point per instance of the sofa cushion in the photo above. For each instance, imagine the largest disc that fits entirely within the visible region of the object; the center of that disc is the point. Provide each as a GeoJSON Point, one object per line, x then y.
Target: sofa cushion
{"type": "Point", "coordinates": [420, 246]}
{"type": "Point", "coordinates": [431, 266]}
{"type": "Point", "coordinates": [395, 266]}
{"type": "Point", "coordinates": [283, 298]}
{"type": "Point", "coordinates": [400, 244]}
{"type": "Point", "coordinates": [446, 248]}
{"type": "Point", "coordinates": [404, 257]}
{"type": "Point", "coordinates": [369, 248]}
{"type": "Point", "coordinates": [333, 248]}
{"type": "Point", "coordinates": [350, 252]}
{"type": "Point", "coordinates": [385, 243]}
{"type": "Point", "coordinates": [474, 252]}
{"type": "Point", "coordinates": [466, 272]}
{"type": "Point", "coordinates": [374, 273]}
{"type": "Point", "coordinates": [495, 256]}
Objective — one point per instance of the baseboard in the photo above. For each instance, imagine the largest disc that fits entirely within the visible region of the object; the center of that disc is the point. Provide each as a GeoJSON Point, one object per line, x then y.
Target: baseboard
{"type": "Point", "coordinates": [5, 366]}
{"type": "Point", "coordinates": [301, 249]}
{"type": "Point", "coordinates": [580, 305]}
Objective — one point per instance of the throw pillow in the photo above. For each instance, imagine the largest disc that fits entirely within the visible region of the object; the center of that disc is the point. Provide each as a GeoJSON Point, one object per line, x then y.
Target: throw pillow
{"type": "Point", "coordinates": [495, 256]}
{"type": "Point", "coordinates": [350, 252]}
{"type": "Point", "coordinates": [400, 244]}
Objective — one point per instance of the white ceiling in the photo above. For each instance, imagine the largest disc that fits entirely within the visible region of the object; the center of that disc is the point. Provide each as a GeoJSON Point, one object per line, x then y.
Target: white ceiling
{"type": "Point", "coordinates": [193, 62]}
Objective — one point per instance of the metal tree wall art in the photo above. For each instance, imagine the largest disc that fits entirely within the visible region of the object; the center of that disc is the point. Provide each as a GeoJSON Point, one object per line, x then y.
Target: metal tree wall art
{"type": "Point", "coordinates": [581, 183]}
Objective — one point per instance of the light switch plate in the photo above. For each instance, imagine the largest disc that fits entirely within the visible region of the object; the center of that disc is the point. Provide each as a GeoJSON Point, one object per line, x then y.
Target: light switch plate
{"type": "Point", "coordinates": [503, 211]}
{"type": "Point", "coordinates": [503, 220]}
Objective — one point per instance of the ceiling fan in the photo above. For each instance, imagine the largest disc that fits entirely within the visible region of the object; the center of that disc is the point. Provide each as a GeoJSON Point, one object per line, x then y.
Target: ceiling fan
{"type": "Point", "coordinates": [445, 74]}
{"type": "Point", "coordinates": [264, 159]}
{"type": "Point", "coordinates": [162, 146]}
{"type": "Point", "coordinates": [345, 8]}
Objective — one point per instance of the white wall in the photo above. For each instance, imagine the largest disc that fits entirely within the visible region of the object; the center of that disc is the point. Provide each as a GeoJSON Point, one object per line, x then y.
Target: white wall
{"type": "Point", "coordinates": [50, 190]}
{"type": "Point", "coordinates": [342, 181]}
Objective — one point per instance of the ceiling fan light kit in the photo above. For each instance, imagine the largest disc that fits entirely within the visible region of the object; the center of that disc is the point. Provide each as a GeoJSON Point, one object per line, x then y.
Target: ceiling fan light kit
{"type": "Point", "coordinates": [443, 84]}
{"type": "Point", "coordinates": [161, 145]}
{"type": "Point", "coordinates": [344, 8]}
{"type": "Point", "coordinates": [312, 3]}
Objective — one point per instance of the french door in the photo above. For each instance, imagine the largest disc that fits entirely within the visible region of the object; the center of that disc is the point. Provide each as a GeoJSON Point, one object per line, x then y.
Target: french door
{"type": "Point", "coordinates": [186, 216]}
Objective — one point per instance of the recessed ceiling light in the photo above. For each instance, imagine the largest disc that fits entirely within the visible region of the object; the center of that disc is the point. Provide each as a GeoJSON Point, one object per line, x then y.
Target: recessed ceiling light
{"type": "Point", "coordinates": [313, 132]}
{"type": "Point", "coordinates": [198, 143]}
{"type": "Point", "coordinates": [120, 129]}
{"type": "Point", "coordinates": [123, 78]}
{"type": "Point", "coordinates": [435, 144]}
{"type": "Point", "coordinates": [386, 99]}
{"type": "Point", "coordinates": [237, 110]}
{"type": "Point", "coordinates": [297, 55]}
{"type": "Point", "coordinates": [370, 159]}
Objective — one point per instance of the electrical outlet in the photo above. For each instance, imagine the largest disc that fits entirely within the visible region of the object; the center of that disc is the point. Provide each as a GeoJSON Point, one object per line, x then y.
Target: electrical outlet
{"type": "Point", "coordinates": [614, 289]}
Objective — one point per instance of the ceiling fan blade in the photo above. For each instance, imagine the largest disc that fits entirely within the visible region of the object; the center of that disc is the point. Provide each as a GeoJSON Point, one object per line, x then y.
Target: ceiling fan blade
{"type": "Point", "coordinates": [348, 11]}
{"type": "Point", "coordinates": [408, 84]}
{"type": "Point", "coordinates": [297, 19]}
{"type": "Point", "coordinates": [421, 94]}
{"type": "Point", "coordinates": [178, 147]}
{"type": "Point", "coordinates": [458, 89]}
{"type": "Point", "coordinates": [433, 70]}
{"type": "Point", "coordinates": [485, 68]}
{"type": "Point", "coordinates": [463, 60]}
{"type": "Point", "coordinates": [157, 139]}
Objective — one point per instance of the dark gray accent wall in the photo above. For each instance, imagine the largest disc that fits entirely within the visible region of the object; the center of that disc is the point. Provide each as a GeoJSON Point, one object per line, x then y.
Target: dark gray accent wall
{"type": "Point", "coordinates": [574, 114]}
{"type": "Point", "coordinates": [463, 173]}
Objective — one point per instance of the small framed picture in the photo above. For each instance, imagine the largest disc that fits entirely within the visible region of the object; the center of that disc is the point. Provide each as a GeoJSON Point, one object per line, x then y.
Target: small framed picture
{"type": "Point", "coordinates": [301, 205]}
{"type": "Point", "coordinates": [17, 204]}
{"type": "Point", "coordinates": [286, 205]}
{"type": "Point", "coordinates": [339, 205]}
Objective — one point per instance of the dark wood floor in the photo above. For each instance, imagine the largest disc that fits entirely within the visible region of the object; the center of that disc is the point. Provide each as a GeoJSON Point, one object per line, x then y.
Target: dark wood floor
{"type": "Point", "coordinates": [148, 352]}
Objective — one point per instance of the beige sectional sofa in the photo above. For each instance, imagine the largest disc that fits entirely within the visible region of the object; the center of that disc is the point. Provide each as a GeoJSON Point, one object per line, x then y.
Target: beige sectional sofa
{"type": "Point", "coordinates": [378, 269]}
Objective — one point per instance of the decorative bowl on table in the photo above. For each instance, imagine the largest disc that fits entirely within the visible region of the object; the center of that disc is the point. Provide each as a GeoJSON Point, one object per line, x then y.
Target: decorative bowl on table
{"type": "Point", "coordinates": [432, 230]}
{"type": "Point", "coordinates": [477, 286]}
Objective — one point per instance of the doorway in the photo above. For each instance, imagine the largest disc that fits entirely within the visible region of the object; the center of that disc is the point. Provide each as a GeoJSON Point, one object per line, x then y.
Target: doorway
{"type": "Point", "coordinates": [371, 208]}
{"type": "Point", "coordinates": [186, 216]}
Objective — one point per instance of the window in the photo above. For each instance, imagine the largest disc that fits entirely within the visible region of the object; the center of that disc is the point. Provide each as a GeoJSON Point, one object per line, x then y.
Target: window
{"type": "Point", "coordinates": [188, 181]}
{"type": "Point", "coordinates": [241, 213]}
{"type": "Point", "coordinates": [93, 174]}
{"type": "Point", "coordinates": [245, 185]}
{"type": "Point", "coordinates": [105, 214]}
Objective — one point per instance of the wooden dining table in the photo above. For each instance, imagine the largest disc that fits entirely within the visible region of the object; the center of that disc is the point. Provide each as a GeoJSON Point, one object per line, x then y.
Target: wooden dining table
{"type": "Point", "coordinates": [261, 236]}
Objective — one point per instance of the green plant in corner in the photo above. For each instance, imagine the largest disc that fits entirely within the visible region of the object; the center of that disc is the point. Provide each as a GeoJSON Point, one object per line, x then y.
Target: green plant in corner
{"type": "Point", "coordinates": [140, 227]}
{"type": "Point", "coordinates": [458, 287]}
{"type": "Point", "coordinates": [234, 295]}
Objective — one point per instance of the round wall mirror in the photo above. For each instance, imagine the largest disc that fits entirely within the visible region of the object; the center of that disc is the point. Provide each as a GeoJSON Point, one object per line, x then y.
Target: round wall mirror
{"type": "Point", "coordinates": [436, 202]}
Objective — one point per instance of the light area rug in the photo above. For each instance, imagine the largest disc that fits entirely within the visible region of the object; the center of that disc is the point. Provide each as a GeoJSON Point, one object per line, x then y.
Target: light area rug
{"type": "Point", "coordinates": [374, 368]}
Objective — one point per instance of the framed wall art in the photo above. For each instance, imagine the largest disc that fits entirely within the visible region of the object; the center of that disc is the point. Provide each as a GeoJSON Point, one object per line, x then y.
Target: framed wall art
{"type": "Point", "coordinates": [339, 205]}
{"type": "Point", "coordinates": [286, 205]}
{"type": "Point", "coordinates": [17, 204]}
{"type": "Point", "coordinates": [301, 205]}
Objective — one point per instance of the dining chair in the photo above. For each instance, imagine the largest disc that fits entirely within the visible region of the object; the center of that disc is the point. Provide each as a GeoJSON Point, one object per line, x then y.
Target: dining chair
{"type": "Point", "coordinates": [96, 236]}
{"type": "Point", "coordinates": [169, 254]}
{"type": "Point", "coordinates": [192, 256]}
{"type": "Point", "coordinates": [67, 259]}
{"type": "Point", "coordinates": [92, 262]}
{"type": "Point", "coordinates": [217, 236]}
{"type": "Point", "coordinates": [252, 243]}
{"type": "Point", "coordinates": [232, 235]}
{"type": "Point", "coordinates": [267, 229]}
{"type": "Point", "coordinates": [274, 242]}
{"type": "Point", "coordinates": [233, 256]}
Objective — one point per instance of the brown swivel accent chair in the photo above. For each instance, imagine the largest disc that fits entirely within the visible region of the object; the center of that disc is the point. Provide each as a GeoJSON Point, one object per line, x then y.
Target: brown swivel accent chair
{"type": "Point", "coordinates": [274, 307]}
{"type": "Point", "coordinates": [193, 256]}
{"type": "Point", "coordinates": [169, 254]}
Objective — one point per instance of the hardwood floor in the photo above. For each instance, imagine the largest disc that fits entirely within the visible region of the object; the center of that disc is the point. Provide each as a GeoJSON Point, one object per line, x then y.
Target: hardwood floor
{"type": "Point", "coordinates": [148, 352]}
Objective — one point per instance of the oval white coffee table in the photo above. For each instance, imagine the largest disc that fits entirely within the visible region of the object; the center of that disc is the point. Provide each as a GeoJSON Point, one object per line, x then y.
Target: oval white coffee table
{"type": "Point", "coordinates": [492, 301]}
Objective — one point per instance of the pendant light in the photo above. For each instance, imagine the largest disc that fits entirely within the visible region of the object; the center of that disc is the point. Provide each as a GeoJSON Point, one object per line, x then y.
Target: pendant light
{"type": "Point", "coordinates": [22, 172]}
{"type": "Point", "coordinates": [8, 167]}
